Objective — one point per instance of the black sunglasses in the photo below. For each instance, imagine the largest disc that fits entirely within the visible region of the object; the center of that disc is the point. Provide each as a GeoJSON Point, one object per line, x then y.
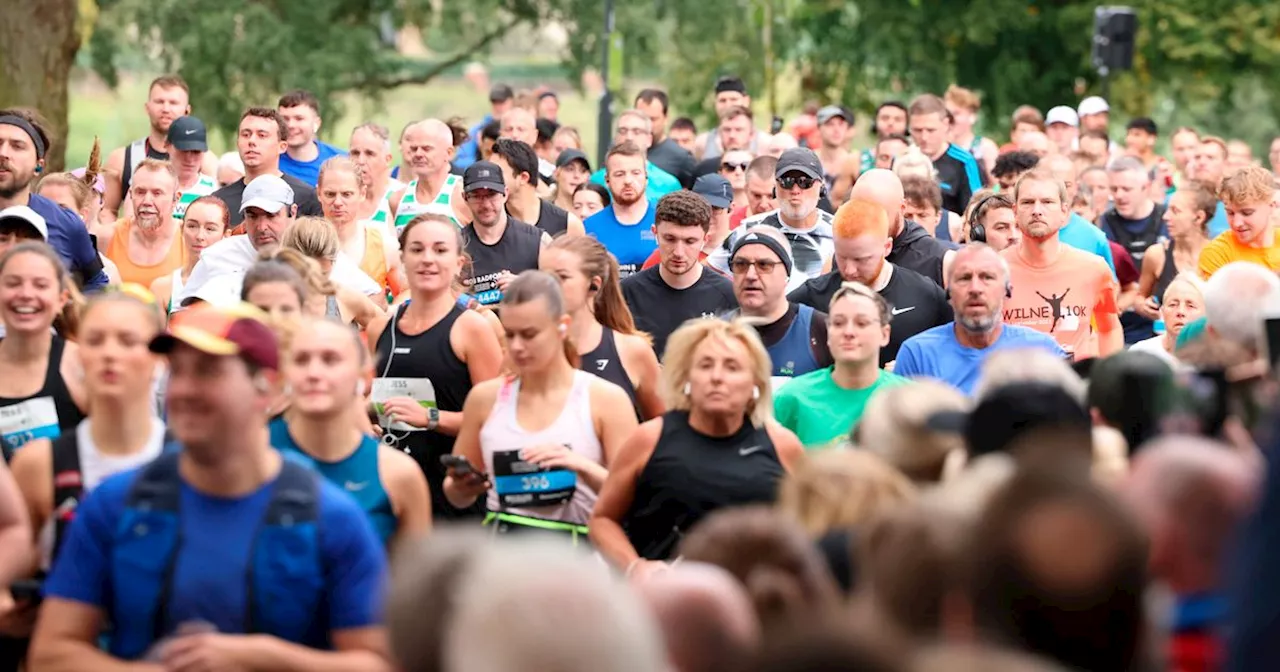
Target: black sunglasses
{"type": "Point", "coordinates": [792, 181]}
{"type": "Point", "coordinates": [727, 165]}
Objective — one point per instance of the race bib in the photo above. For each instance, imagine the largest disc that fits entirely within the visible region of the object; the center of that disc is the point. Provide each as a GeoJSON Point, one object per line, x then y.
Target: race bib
{"type": "Point", "coordinates": [520, 483]}
{"type": "Point", "coordinates": [418, 389]}
{"type": "Point", "coordinates": [27, 421]}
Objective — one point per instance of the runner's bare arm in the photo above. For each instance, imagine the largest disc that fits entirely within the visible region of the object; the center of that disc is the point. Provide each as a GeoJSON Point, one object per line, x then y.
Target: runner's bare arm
{"type": "Point", "coordinates": [209, 164]}
{"type": "Point", "coordinates": [73, 375]}
{"type": "Point", "coordinates": [638, 358]}
{"type": "Point", "coordinates": [15, 530]}
{"type": "Point", "coordinates": [618, 493]}
{"type": "Point", "coordinates": [32, 469]}
{"type": "Point", "coordinates": [112, 174]}
{"type": "Point", "coordinates": [408, 491]}
{"type": "Point", "coordinates": [355, 650]}
{"type": "Point", "coordinates": [844, 182]}
{"type": "Point", "coordinates": [576, 227]}
{"type": "Point", "coordinates": [461, 211]}
{"type": "Point", "coordinates": [613, 426]}
{"type": "Point", "coordinates": [66, 640]}
{"type": "Point", "coordinates": [788, 447]}
{"type": "Point", "coordinates": [474, 412]}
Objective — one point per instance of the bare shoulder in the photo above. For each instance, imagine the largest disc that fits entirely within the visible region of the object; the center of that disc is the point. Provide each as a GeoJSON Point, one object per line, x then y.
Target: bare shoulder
{"type": "Point", "coordinates": [607, 397]}
{"type": "Point", "coordinates": [483, 395]}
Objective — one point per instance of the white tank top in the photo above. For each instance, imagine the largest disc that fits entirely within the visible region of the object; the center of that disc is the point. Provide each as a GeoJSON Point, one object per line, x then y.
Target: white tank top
{"type": "Point", "coordinates": [519, 487]}
{"type": "Point", "coordinates": [96, 467]}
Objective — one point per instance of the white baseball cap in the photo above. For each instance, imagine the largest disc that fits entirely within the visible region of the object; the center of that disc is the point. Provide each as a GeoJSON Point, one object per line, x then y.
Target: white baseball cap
{"type": "Point", "coordinates": [1062, 115]}
{"type": "Point", "coordinates": [268, 192]}
{"type": "Point", "coordinates": [21, 213]}
{"type": "Point", "coordinates": [1093, 105]}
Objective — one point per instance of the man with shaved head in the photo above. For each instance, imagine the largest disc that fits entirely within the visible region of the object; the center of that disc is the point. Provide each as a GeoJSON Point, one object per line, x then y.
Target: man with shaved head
{"type": "Point", "coordinates": [519, 123]}
{"type": "Point", "coordinates": [913, 247]}
{"type": "Point", "coordinates": [428, 149]}
{"type": "Point", "coordinates": [707, 620]}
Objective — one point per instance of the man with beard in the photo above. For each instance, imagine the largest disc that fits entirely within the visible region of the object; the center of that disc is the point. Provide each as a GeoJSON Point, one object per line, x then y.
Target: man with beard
{"type": "Point", "coordinates": [890, 120]}
{"type": "Point", "coordinates": [261, 139]}
{"type": "Point", "coordinates": [500, 246]}
{"type": "Point", "coordinates": [626, 227]}
{"type": "Point", "coordinates": [519, 166]}
{"type": "Point", "coordinates": [1057, 289]}
{"type": "Point", "coordinates": [862, 242]}
{"type": "Point", "coordinates": [635, 127]}
{"type": "Point", "coordinates": [913, 247]}
{"type": "Point", "coordinates": [167, 99]}
{"type": "Point", "coordinates": [731, 97]}
{"type": "Point", "coordinates": [147, 247]}
{"type": "Point", "coordinates": [23, 143]}
{"type": "Point", "coordinates": [428, 147]}
{"type": "Point", "coordinates": [954, 352]}
{"type": "Point", "coordinates": [679, 288]}
{"type": "Point", "coordinates": [301, 112]}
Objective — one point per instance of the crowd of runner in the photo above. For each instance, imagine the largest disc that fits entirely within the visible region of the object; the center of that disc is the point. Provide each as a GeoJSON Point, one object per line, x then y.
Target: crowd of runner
{"type": "Point", "coordinates": [733, 400]}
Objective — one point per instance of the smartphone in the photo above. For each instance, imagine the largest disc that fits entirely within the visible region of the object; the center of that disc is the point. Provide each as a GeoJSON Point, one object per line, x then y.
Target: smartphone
{"type": "Point", "coordinates": [460, 465]}
{"type": "Point", "coordinates": [27, 590]}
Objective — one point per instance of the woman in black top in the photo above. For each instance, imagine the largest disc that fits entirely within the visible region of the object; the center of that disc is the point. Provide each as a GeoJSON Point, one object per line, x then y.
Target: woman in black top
{"type": "Point", "coordinates": [429, 352]}
{"type": "Point", "coordinates": [720, 447]}
{"type": "Point", "coordinates": [602, 329]}
{"type": "Point", "coordinates": [40, 391]}
{"type": "Point", "coordinates": [1187, 218]}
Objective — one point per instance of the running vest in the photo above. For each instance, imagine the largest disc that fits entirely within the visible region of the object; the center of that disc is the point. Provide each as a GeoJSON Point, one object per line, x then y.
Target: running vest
{"type": "Point", "coordinates": [356, 474]}
{"type": "Point", "coordinates": [690, 475]}
{"type": "Point", "coordinates": [284, 589]}
{"type": "Point", "coordinates": [118, 252]}
{"type": "Point", "coordinates": [383, 214]}
{"type": "Point", "coordinates": [606, 362]}
{"type": "Point", "coordinates": [134, 154]}
{"type": "Point", "coordinates": [552, 219]}
{"type": "Point", "coordinates": [516, 251]}
{"type": "Point", "coordinates": [410, 207]}
{"type": "Point", "coordinates": [793, 353]}
{"type": "Point", "coordinates": [203, 187]}
{"type": "Point", "coordinates": [43, 415]}
{"type": "Point", "coordinates": [1167, 274]}
{"type": "Point", "coordinates": [522, 488]}
{"type": "Point", "coordinates": [423, 367]}
{"type": "Point", "coordinates": [373, 259]}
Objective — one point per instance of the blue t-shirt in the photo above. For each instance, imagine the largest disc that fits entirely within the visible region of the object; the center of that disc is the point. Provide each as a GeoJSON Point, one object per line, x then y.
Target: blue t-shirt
{"type": "Point", "coordinates": [1219, 224]}
{"type": "Point", "coordinates": [630, 243]}
{"type": "Point", "coordinates": [309, 171]}
{"type": "Point", "coordinates": [935, 353]}
{"type": "Point", "coordinates": [69, 237]}
{"type": "Point", "coordinates": [209, 578]}
{"type": "Point", "coordinates": [1082, 235]}
{"type": "Point", "coordinates": [469, 151]}
{"type": "Point", "coordinates": [659, 182]}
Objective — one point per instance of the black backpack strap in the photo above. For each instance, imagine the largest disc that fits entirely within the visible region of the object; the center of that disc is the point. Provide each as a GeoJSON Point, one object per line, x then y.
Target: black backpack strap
{"type": "Point", "coordinates": [68, 485]}
{"type": "Point", "coordinates": [159, 488]}
{"type": "Point", "coordinates": [295, 499]}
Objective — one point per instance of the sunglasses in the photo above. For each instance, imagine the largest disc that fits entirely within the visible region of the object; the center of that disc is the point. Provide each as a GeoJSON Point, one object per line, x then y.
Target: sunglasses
{"type": "Point", "coordinates": [762, 265]}
{"type": "Point", "coordinates": [729, 166]}
{"type": "Point", "coordinates": [793, 181]}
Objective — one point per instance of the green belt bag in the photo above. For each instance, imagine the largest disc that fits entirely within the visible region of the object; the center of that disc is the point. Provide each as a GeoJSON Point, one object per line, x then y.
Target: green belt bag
{"type": "Point", "coordinates": [575, 531]}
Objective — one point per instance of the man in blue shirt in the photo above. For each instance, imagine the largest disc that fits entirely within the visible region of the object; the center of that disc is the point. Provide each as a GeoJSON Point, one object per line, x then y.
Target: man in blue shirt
{"type": "Point", "coordinates": [501, 98]}
{"type": "Point", "coordinates": [23, 143]}
{"type": "Point", "coordinates": [625, 228]}
{"type": "Point", "coordinates": [953, 353]}
{"type": "Point", "coordinates": [219, 555]}
{"type": "Point", "coordinates": [636, 127]}
{"type": "Point", "coordinates": [1079, 232]}
{"type": "Point", "coordinates": [301, 112]}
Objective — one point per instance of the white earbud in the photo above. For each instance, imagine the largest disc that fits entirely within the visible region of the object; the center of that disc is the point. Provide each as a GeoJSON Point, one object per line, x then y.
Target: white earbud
{"type": "Point", "coordinates": [688, 389]}
{"type": "Point", "coordinates": [755, 392]}
{"type": "Point", "coordinates": [563, 328]}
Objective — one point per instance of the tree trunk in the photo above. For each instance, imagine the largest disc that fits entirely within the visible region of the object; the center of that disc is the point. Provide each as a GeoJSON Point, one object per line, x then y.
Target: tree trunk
{"type": "Point", "coordinates": [38, 44]}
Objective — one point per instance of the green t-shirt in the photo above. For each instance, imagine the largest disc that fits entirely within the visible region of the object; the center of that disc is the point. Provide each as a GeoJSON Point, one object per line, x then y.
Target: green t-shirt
{"type": "Point", "coordinates": [818, 410]}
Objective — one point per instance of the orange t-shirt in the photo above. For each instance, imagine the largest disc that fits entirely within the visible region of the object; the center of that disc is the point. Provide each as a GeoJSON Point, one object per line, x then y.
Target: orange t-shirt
{"type": "Point", "coordinates": [374, 261]}
{"type": "Point", "coordinates": [118, 252]}
{"type": "Point", "coordinates": [1225, 249]}
{"type": "Point", "coordinates": [1062, 300]}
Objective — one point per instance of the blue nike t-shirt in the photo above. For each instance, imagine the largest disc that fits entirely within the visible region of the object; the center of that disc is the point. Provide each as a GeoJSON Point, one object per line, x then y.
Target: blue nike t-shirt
{"type": "Point", "coordinates": [309, 171]}
{"type": "Point", "coordinates": [935, 353]}
{"type": "Point", "coordinates": [630, 243]}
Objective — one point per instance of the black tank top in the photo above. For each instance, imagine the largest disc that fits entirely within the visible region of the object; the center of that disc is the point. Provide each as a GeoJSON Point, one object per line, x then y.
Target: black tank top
{"type": "Point", "coordinates": [428, 355]}
{"type": "Point", "coordinates": [690, 475]}
{"type": "Point", "coordinates": [126, 175]}
{"type": "Point", "coordinates": [517, 250]}
{"type": "Point", "coordinates": [606, 363]}
{"type": "Point", "coordinates": [28, 418]}
{"type": "Point", "coordinates": [552, 219]}
{"type": "Point", "coordinates": [1167, 274]}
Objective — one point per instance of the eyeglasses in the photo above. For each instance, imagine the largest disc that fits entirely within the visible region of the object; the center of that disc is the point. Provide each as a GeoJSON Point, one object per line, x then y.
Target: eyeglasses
{"type": "Point", "coordinates": [732, 166]}
{"type": "Point", "coordinates": [763, 266]}
{"type": "Point", "coordinates": [793, 181]}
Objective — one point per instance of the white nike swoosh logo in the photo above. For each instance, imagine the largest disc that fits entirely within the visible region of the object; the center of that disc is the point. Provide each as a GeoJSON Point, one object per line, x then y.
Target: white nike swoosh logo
{"type": "Point", "coordinates": [899, 311]}
{"type": "Point", "coordinates": [189, 131]}
{"type": "Point", "coordinates": [752, 449]}
{"type": "Point", "coordinates": [355, 487]}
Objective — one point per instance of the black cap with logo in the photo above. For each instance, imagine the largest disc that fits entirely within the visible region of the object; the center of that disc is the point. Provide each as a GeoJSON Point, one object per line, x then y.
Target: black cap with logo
{"type": "Point", "coordinates": [483, 175]}
{"type": "Point", "coordinates": [799, 160]}
{"type": "Point", "coordinates": [187, 134]}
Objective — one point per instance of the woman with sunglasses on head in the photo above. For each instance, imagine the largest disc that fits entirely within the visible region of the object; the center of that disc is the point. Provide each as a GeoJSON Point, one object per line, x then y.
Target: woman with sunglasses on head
{"type": "Point", "coordinates": [429, 352]}
{"type": "Point", "coordinates": [545, 436]}
{"type": "Point", "coordinates": [205, 223]}
{"type": "Point", "coordinates": [718, 447]}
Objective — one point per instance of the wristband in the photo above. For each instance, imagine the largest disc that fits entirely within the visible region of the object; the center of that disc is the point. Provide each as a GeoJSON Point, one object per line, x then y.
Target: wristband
{"type": "Point", "coordinates": [433, 418]}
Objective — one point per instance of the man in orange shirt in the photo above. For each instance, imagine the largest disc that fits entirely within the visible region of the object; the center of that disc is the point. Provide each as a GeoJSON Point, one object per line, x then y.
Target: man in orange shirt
{"type": "Point", "coordinates": [1057, 289]}
{"type": "Point", "coordinates": [146, 246]}
{"type": "Point", "coordinates": [1249, 197]}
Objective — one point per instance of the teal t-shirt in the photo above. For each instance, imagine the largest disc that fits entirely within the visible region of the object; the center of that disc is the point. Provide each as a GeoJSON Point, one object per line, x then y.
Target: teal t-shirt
{"type": "Point", "coordinates": [1190, 332]}
{"type": "Point", "coordinates": [819, 411]}
{"type": "Point", "coordinates": [659, 184]}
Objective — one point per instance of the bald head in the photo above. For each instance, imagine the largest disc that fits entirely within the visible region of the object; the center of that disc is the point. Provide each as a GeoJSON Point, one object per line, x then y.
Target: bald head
{"type": "Point", "coordinates": [707, 620]}
{"type": "Point", "coordinates": [433, 128]}
{"type": "Point", "coordinates": [518, 123]}
{"type": "Point", "coordinates": [1063, 170]}
{"type": "Point", "coordinates": [883, 188]}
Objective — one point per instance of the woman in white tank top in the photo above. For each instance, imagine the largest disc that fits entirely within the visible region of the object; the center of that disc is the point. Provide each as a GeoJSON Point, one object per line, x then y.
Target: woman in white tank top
{"type": "Point", "coordinates": [206, 222]}
{"type": "Point", "coordinates": [545, 437]}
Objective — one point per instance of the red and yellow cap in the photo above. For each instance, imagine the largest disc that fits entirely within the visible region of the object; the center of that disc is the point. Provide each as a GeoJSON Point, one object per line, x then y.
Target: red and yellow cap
{"type": "Point", "coordinates": [239, 330]}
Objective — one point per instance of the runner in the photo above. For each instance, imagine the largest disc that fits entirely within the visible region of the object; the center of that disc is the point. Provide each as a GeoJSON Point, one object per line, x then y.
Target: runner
{"type": "Point", "coordinates": [148, 245]}
{"type": "Point", "coordinates": [81, 193]}
{"type": "Point", "coordinates": [730, 96]}
{"type": "Point", "coordinates": [1183, 145]}
{"type": "Point", "coordinates": [736, 131]}
{"type": "Point", "coordinates": [544, 478]}
{"type": "Point", "coordinates": [427, 146]}
{"type": "Point", "coordinates": [230, 168]}
{"type": "Point", "coordinates": [954, 352]}
{"type": "Point", "coordinates": [370, 148]}
{"type": "Point", "coordinates": [1059, 290]}
{"type": "Point", "coordinates": [963, 105]}
{"type": "Point", "coordinates": [664, 151]}
{"type": "Point", "coordinates": [15, 532]}
{"type": "Point", "coordinates": [835, 126]}
{"type": "Point", "coordinates": [762, 191]}
{"type": "Point", "coordinates": [733, 167]}
{"type": "Point", "coordinates": [224, 569]}
{"type": "Point", "coordinates": [1182, 303]}
{"type": "Point", "coordinates": [306, 154]}
{"type": "Point", "coordinates": [627, 226]}
{"type": "Point", "coordinates": [922, 203]}
{"type": "Point", "coordinates": [429, 353]}
{"type": "Point", "coordinates": [913, 247]}
{"type": "Point", "coordinates": [1140, 139]}
{"type": "Point", "coordinates": [1062, 125]}
{"type": "Point", "coordinates": [679, 288]}
{"type": "Point", "coordinates": [327, 369]}
{"type": "Point", "coordinates": [992, 221]}
{"type": "Point", "coordinates": [635, 127]}
{"type": "Point", "coordinates": [319, 250]}
{"type": "Point", "coordinates": [261, 140]}
{"type": "Point", "coordinates": [1249, 197]}
{"type": "Point", "coordinates": [40, 383]}
{"type": "Point", "coordinates": [1187, 219]}
{"type": "Point", "coordinates": [589, 199]}
{"type": "Point", "coordinates": [371, 245]}
{"type": "Point", "coordinates": [206, 222]}
{"type": "Point", "coordinates": [826, 404]}
{"type": "Point", "coordinates": [601, 326]}
{"type": "Point", "coordinates": [1134, 220]}
{"type": "Point", "coordinates": [519, 123]}
{"type": "Point", "coordinates": [280, 291]}
{"type": "Point", "coordinates": [519, 166]}
{"type": "Point", "coordinates": [187, 149]}
{"type": "Point", "coordinates": [501, 98]}
{"type": "Point", "coordinates": [572, 171]}
{"type": "Point", "coordinates": [718, 193]}
{"type": "Point", "coordinates": [959, 173]}
{"type": "Point", "coordinates": [1079, 232]}
{"type": "Point", "coordinates": [500, 246]}
{"type": "Point", "coordinates": [1209, 167]}
{"type": "Point", "coordinates": [890, 120]}
{"type": "Point", "coordinates": [684, 133]}
{"type": "Point", "coordinates": [677, 469]}
{"type": "Point", "coordinates": [794, 335]}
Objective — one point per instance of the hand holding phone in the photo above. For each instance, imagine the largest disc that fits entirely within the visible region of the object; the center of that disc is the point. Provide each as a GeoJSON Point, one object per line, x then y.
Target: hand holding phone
{"type": "Point", "coordinates": [460, 467]}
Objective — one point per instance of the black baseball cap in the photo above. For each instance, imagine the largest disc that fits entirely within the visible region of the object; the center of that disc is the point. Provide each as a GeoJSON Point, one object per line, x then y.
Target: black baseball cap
{"type": "Point", "coordinates": [715, 190]}
{"type": "Point", "coordinates": [1010, 411]}
{"type": "Point", "coordinates": [483, 175]}
{"type": "Point", "coordinates": [570, 155]}
{"type": "Point", "coordinates": [799, 160]}
{"type": "Point", "coordinates": [501, 93]}
{"type": "Point", "coordinates": [188, 135]}
{"type": "Point", "coordinates": [731, 83]}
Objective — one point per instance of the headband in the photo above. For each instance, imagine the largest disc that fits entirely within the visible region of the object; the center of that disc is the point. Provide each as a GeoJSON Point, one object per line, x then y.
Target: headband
{"type": "Point", "coordinates": [25, 125]}
{"type": "Point", "coordinates": [753, 238]}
